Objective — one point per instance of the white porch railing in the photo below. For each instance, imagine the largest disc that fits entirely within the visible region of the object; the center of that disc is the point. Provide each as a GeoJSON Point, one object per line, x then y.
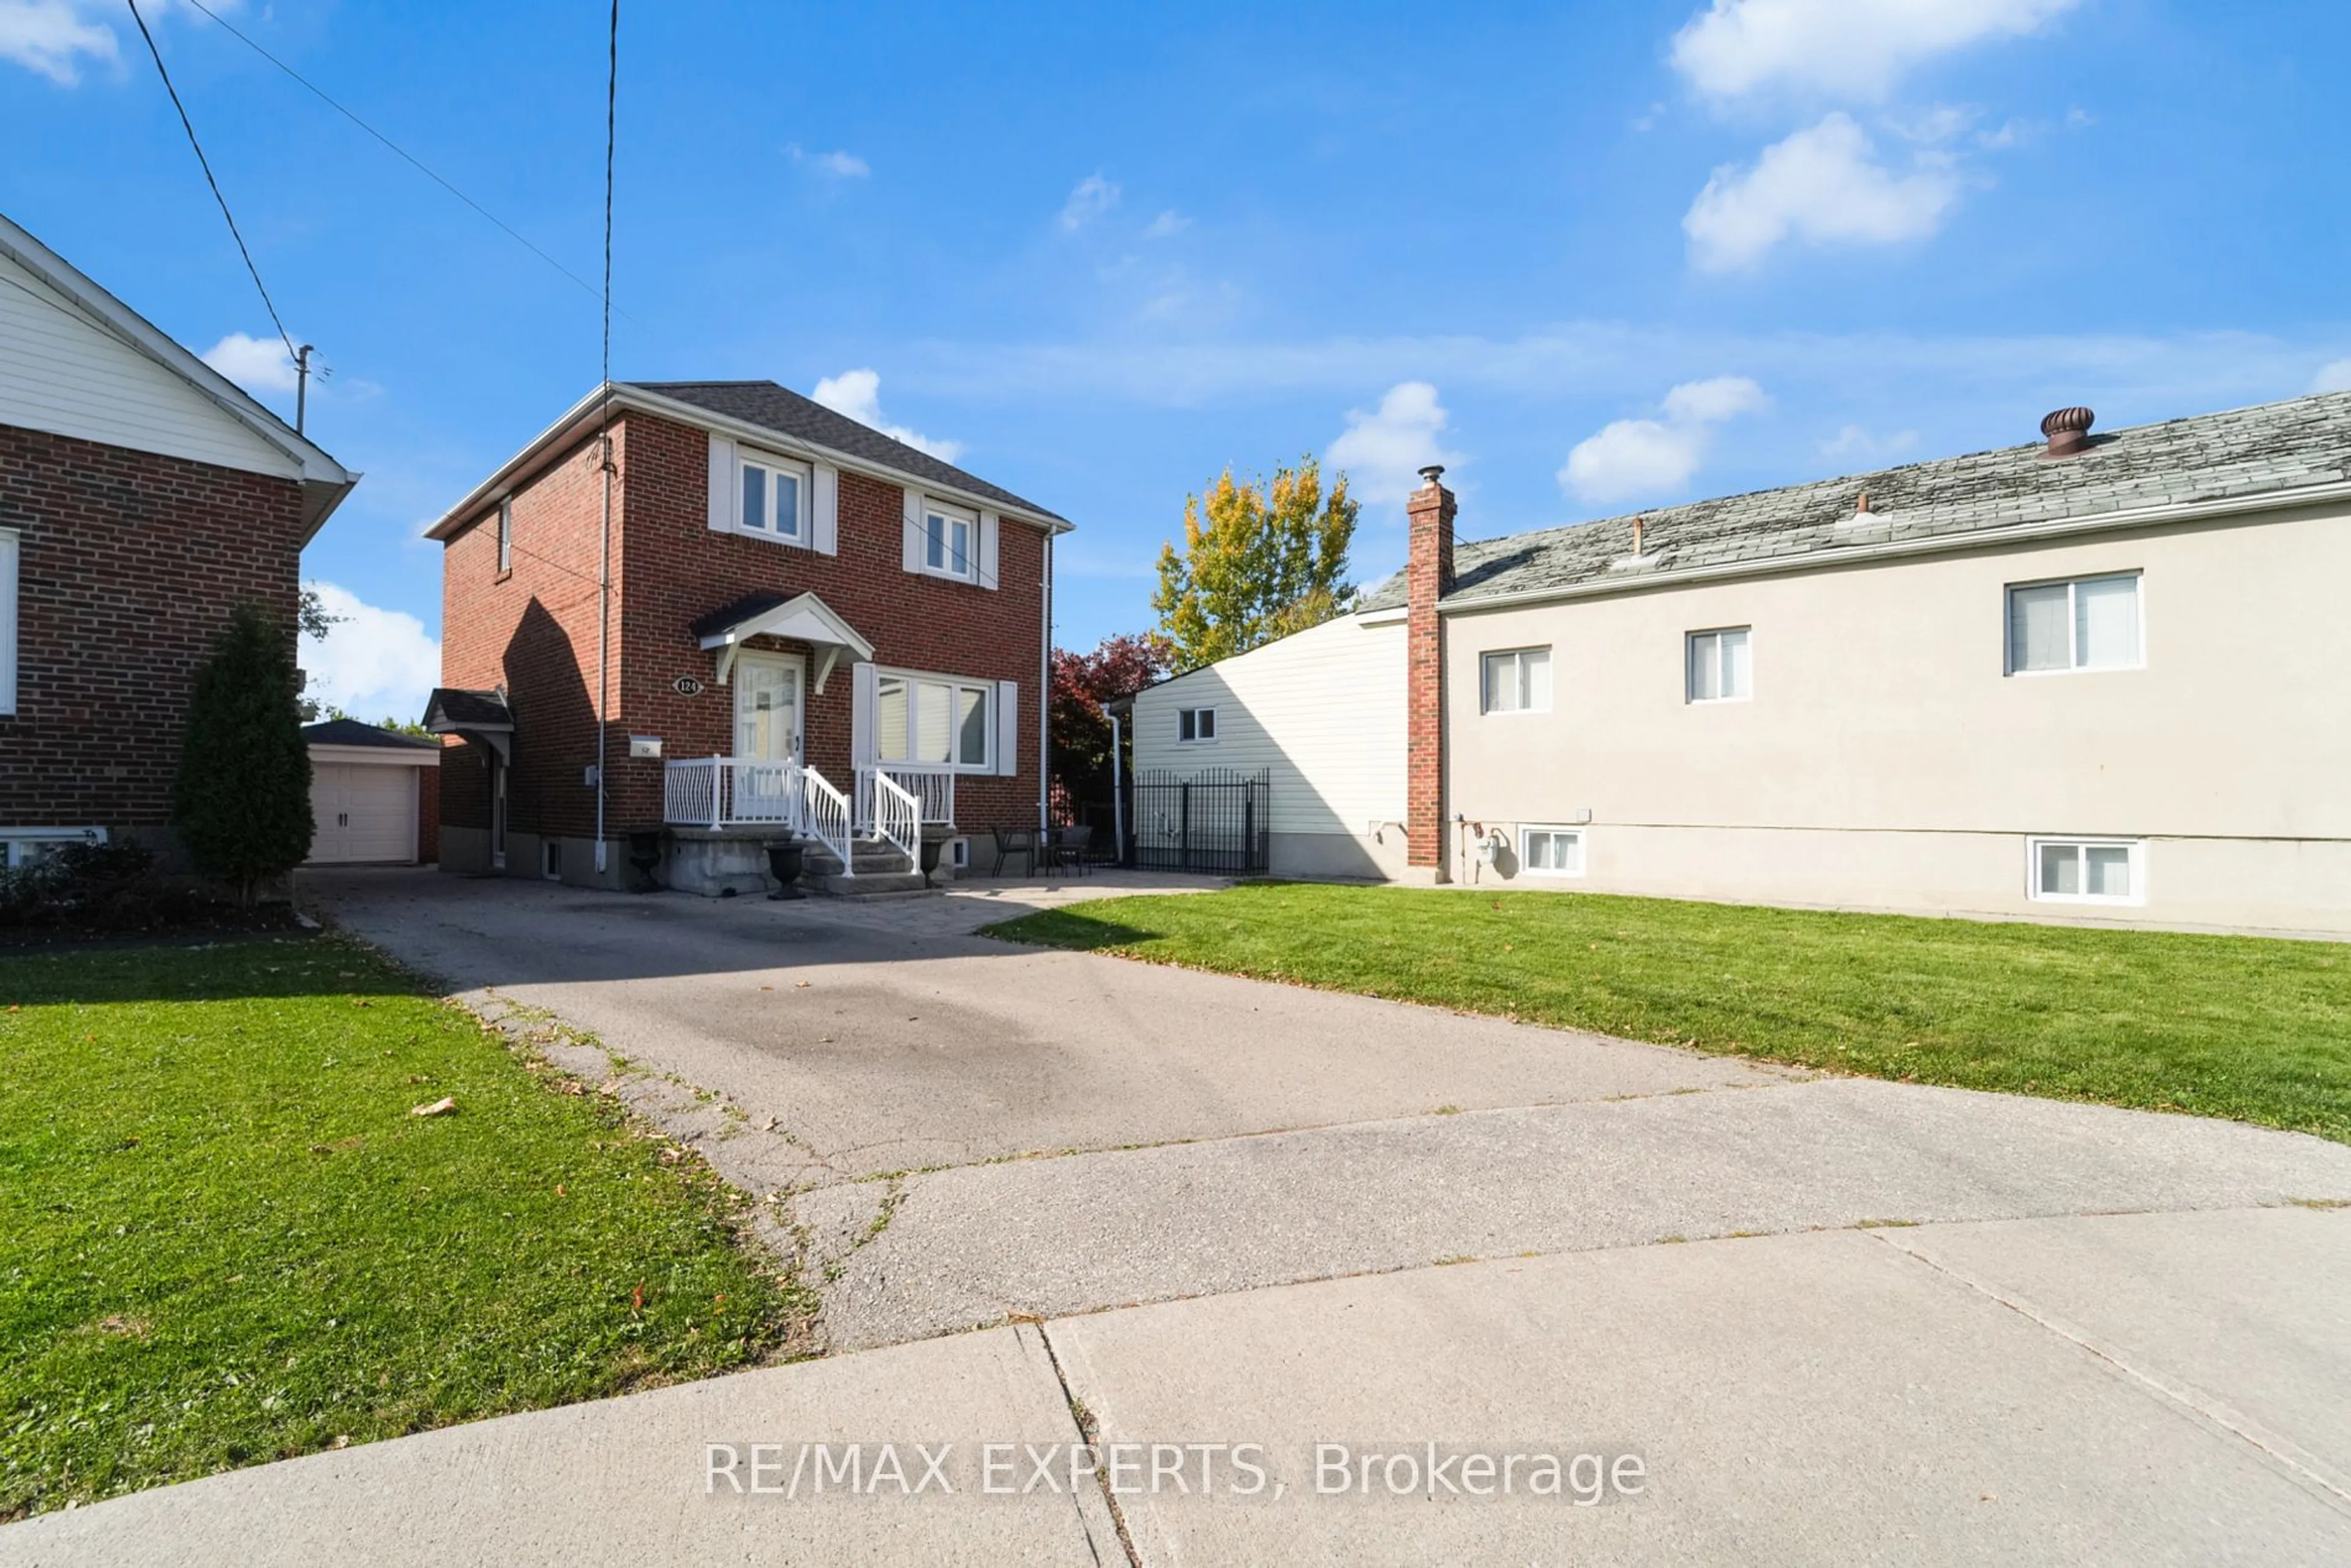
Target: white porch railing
{"type": "Point", "coordinates": [932, 788]}
{"type": "Point", "coordinates": [825, 816]}
{"type": "Point", "coordinates": [895, 804]}
{"type": "Point", "coordinates": [898, 819]}
{"type": "Point", "coordinates": [729, 791]}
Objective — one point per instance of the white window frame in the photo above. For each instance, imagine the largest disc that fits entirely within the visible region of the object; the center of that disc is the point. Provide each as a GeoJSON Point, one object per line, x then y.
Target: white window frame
{"type": "Point", "coordinates": [915, 679]}
{"type": "Point", "coordinates": [506, 536]}
{"type": "Point", "coordinates": [2073, 586]}
{"type": "Point", "coordinates": [10, 548]}
{"type": "Point", "coordinates": [770, 466]}
{"type": "Point", "coordinates": [19, 846]}
{"type": "Point", "coordinates": [1526, 863]}
{"type": "Point", "coordinates": [947, 518]}
{"type": "Point", "coordinates": [1689, 666]}
{"type": "Point", "coordinates": [1485, 685]}
{"type": "Point", "coordinates": [1191, 716]}
{"type": "Point", "coordinates": [2137, 848]}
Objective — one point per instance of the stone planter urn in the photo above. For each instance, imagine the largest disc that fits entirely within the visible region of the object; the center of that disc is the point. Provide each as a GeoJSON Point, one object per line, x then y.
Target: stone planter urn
{"type": "Point", "coordinates": [785, 858]}
{"type": "Point", "coordinates": [929, 851]}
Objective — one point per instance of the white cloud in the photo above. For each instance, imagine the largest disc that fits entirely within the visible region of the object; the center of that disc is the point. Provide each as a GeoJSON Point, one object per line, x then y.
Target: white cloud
{"type": "Point", "coordinates": [2331, 377]}
{"type": "Point", "coordinates": [1631, 457]}
{"type": "Point", "coordinates": [373, 663]}
{"type": "Point", "coordinates": [1820, 185]}
{"type": "Point", "coordinates": [858, 395]}
{"type": "Point", "coordinates": [1714, 400]}
{"type": "Point", "coordinates": [1854, 441]}
{"type": "Point", "coordinates": [257, 364]}
{"type": "Point", "coordinates": [1382, 452]}
{"type": "Point", "coordinates": [831, 165]}
{"type": "Point", "coordinates": [1167, 224]}
{"type": "Point", "coordinates": [1090, 199]}
{"type": "Point", "coordinates": [1845, 49]}
{"type": "Point", "coordinates": [51, 37]}
{"type": "Point", "coordinates": [56, 38]}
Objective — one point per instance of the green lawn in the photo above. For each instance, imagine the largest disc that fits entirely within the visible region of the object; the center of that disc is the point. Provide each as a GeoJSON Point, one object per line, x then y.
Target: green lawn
{"type": "Point", "coordinates": [2221, 1026]}
{"type": "Point", "coordinates": [224, 1239]}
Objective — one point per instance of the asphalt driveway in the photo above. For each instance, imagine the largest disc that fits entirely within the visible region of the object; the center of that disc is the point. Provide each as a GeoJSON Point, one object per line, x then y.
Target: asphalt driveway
{"type": "Point", "coordinates": [1833, 1320]}
{"type": "Point", "coordinates": [955, 1130]}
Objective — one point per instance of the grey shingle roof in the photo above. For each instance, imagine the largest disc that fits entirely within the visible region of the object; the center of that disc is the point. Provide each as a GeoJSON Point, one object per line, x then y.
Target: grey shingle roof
{"type": "Point", "coordinates": [2278, 446]}
{"type": "Point", "coordinates": [782, 410]}
{"type": "Point", "coordinates": [352, 732]}
{"type": "Point", "coordinates": [462, 709]}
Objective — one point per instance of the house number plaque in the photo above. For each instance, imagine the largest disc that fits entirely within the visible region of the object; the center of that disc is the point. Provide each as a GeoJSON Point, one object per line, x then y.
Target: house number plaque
{"type": "Point", "coordinates": [686, 686]}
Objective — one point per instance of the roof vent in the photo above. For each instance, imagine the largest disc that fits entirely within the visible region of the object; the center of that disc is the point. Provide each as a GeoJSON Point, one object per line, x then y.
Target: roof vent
{"type": "Point", "coordinates": [2068, 431]}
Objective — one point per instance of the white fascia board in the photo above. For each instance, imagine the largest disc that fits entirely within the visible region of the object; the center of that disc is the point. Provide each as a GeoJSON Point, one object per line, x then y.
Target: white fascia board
{"type": "Point", "coordinates": [2229, 509]}
{"type": "Point", "coordinates": [325, 482]}
{"type": "Point", "coordinates": [381, 756]}
{"type": "Point", "coordinates": [588, 411]}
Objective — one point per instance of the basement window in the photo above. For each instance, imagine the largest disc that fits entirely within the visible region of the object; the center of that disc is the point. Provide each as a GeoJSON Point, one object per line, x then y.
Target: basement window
{"type": "Point", "coordinates": [2087, 871]}
{"type": "Point", "coordinates": [1551, 852]}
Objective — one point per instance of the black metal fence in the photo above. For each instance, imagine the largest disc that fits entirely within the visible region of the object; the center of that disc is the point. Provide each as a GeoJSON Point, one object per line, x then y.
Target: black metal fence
{"type": "Point", "coordinates": [1216, 822]}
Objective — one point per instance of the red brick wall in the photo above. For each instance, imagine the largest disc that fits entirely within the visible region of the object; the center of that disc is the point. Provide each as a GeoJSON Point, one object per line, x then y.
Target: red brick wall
{"type": "Point", "coordinates": [1428, 575]}
{"type": "Point", "coordinates": [531, 630]}
{"type": "Point", "coordinates": [670, 568]}
{"type": "Point", "coordinates": [130, 564]}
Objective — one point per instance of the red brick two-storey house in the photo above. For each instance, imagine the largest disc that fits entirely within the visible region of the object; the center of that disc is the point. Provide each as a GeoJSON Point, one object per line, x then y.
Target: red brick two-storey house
{"type": "Point", "coordinates": [142, 498]}
{"type": "Point", "coordinates": [761, 617]}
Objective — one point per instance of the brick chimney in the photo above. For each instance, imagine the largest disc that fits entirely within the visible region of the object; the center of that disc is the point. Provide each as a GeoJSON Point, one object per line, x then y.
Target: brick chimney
{"type": "Point", "coordinates": [1428, 576]}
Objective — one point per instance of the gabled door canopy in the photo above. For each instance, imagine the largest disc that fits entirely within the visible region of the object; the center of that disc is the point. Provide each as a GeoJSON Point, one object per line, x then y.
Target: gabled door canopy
{"type": "Point", "coordinates": [802, 618]}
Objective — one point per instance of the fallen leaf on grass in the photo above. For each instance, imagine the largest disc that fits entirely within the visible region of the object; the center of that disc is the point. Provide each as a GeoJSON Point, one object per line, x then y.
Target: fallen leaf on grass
{"type": "Point", "coordinates": [441, 1107]}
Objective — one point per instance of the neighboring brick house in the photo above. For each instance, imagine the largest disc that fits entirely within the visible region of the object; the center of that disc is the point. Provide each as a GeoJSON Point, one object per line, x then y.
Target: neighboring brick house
{"type": "Point", "coordinates": [807, 623]}
{"type": "Point", "coordinates": [142, 498]}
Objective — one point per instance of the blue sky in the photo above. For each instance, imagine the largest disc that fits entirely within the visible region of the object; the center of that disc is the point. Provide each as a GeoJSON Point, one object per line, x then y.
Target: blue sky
{"type": "Point", "coordinates": [1592, 256]}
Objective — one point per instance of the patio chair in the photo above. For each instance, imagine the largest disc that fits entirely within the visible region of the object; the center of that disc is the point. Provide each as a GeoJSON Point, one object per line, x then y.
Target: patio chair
{"type": "Point", "coordinates": [1010, 841]}
{"type": "Point", "coordinates": [1069, 847]}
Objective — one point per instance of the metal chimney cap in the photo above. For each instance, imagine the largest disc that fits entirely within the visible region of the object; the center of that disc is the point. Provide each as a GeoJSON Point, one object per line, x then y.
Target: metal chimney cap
{"type": "Point", "coordinates": [1433, 473]}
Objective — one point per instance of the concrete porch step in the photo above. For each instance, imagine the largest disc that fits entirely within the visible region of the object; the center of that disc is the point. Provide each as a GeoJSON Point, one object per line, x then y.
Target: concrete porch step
{"type": "Point", "coordinates": [871, 885]}
{"type": "Point", "coordinates": [871, 857]}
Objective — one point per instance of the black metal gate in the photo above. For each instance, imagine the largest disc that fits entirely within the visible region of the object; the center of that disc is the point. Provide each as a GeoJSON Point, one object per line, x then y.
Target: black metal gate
{"type": "Point", "coordinates": [1215, 821]}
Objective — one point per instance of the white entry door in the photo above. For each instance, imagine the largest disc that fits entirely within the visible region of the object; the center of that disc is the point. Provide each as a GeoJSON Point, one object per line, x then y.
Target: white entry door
{"type": "Point", "coordinates": [767, 729]}
{"type": "Point", "coordinates": [363, 812]}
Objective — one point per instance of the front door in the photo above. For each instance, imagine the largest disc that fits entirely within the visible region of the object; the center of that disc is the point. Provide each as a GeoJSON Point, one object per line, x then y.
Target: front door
{"type": "Point", "coordinates": [767, 730]}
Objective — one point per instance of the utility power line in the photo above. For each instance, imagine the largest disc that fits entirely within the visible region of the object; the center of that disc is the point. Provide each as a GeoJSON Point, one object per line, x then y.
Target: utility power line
{"type": "Point", "coordinates": [402, 153]}
{"type": "Point", "coordinates": [285, 336]}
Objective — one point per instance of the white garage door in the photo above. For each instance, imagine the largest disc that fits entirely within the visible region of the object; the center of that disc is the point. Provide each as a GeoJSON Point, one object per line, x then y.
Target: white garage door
{"type": "Point", "coordinates": [364, 813]}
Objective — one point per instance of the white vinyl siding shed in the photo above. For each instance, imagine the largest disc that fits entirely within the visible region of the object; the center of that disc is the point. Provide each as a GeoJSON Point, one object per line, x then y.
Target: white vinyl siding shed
{"type": "Point", "coordinates": [1322, 713]}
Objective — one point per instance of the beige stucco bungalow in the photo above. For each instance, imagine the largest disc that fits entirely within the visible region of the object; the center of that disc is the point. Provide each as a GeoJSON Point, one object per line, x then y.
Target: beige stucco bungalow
{"type": "Point", "coordinates": [2095, 677]}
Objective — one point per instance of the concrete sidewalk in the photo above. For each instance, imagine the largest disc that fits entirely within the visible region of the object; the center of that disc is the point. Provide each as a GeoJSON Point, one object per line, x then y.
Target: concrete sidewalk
{"type": "Point", "coordinates": [2138, 1390]}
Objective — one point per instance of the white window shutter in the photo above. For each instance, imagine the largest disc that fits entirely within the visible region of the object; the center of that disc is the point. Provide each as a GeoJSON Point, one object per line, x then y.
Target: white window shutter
{"type": "Point", "coordinates": [1008, 727]}
{"type": "Point", "coordinates": [863, 691]}
{"type": "Point", "coordinates": [824, 508]}
{"type": "Point", "coordinates": [987, 549]}
{"type": "Point", "coordinates": [8, 549]}
{"type": "Point", "coordinates": [721, 483]}
{"type": "Point", "coordinates": [910, 555]}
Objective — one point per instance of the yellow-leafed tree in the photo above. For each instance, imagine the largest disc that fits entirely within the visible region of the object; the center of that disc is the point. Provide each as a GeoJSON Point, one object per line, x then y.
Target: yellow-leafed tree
{"type": "Point", "coordinates": [1261, 559]}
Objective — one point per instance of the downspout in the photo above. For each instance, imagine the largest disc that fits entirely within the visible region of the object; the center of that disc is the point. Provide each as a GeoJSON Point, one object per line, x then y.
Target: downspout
{"type": "Point", "coordinates": [1045, 694]}
{"type": "Point", "coordinates": [1117, 793]}
{"type": "Point", "coordinates": [604, 628]}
